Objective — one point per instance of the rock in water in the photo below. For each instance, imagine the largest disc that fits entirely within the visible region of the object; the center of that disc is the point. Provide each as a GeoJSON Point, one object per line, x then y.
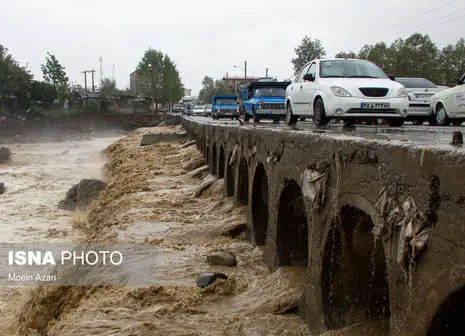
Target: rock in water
{"type": "Point", "coordinates": [222, 258]}
{"type": "Point", "coordinates": [207, 278]}
{"type": "Point", "coordinates": [5, 155]}
{"type": "Point", "coordinates": [2, 188]}
{"type": "Point", "coordinates": [457, 138]}
{"type": "Point", "coordinates": [81, 194]}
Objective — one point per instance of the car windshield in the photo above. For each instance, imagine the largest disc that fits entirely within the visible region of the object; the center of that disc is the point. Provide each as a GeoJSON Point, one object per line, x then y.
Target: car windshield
{"type": "Point", "coordinates": [225, 101]}
{"type": "Point", "coordinates": [416, 83]}
{"type": "Point", "coordinates": [198, 107]}
{"type": "Point", "coordinates": [350, 69]}
{"type": "Point", "coordinates": [270, 92]}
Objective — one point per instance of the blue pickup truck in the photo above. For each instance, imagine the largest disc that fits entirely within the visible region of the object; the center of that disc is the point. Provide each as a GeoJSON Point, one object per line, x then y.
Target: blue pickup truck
{"type": "Point", "coordinates": [263, 100]}
{"type": "Point", "coordinates": [225, 107]}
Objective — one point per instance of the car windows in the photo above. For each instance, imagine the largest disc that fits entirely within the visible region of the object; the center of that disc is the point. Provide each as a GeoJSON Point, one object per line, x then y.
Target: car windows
{"type": "Point", "coordinates": [416, 83]}
{"type": "Point", "coordinates": [302, 73]}
{"type": "Point", "coordinates": [312, 70]}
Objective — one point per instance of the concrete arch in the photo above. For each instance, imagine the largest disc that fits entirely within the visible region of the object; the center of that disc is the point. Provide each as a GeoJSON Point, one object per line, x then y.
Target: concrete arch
{"type": "Point", "coordinates": [221, 163]}
{"type": "Point", "coordinates": [260, 202]}
{"type": "Point", "coordinates": [229, 177]}
{"type": "Point", "coordinates": [354, 277]}
{"type": "Point", "coordinates": [449, 320]}
{"type": "Point", "coordinates": [292, 229]}
{"type": "Point", "coordinates": [214, 162]}
{"type": "Point", "coordinates": [243, 183]}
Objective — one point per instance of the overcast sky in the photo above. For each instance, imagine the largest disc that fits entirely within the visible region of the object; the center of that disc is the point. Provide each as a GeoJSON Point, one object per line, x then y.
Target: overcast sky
{"type": "Point", "coordinates": [208, 37]}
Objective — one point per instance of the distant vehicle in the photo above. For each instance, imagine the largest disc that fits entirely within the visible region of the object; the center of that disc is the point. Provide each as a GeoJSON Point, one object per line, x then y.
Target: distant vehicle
{"type": "Point", "coordinates": [448, 106]}
{"type": "Point", "coordinates": [263, 100]}
{"type": "Point", "coordinates": [177, 108]}
{"type": "Point", "coordinates": [208, 109]}
{"type": "Point", "coordinates": [420, 90]}
{"type": "Point", "coordinates": [225, 107]}
{"type": "Point", "coordinates": [198, 110]}
{"type": "Point", "coordinates": [346, 89]}
{"type": "Point", "coordinates": [188, 104]}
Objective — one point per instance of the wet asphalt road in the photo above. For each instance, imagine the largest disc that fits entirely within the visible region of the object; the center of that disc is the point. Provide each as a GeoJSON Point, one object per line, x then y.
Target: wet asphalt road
{"type": "Point", "coordinates": [408, 134]}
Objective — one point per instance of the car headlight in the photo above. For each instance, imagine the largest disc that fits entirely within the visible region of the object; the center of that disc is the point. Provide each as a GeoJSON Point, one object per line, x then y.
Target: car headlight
{"type": "Point", "coordinates": [340, 92]}
{"type": "Point", "coordinates": [402, 93]}
{"type": "Point", "coordinates": [259, 104]}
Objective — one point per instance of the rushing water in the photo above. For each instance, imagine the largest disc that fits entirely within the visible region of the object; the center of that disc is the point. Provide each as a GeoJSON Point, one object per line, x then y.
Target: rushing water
{"type": "Point", "coordinates": [186, 230]}
{"type": "Point", "coordinates": [38, 177]}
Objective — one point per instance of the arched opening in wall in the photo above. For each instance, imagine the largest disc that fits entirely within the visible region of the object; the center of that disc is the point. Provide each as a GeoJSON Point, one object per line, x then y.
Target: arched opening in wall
{"type": "Point", "coordinates": [260, 205]}
{"type": "Point", "coordinates": [229, 178]}
{"type": "Point", "coordinates": [243, 192]}
{"type": "Point", "coordinates": [354, 280]}
{"type": "Point", "coordinates": [214, 160]}
{"type": "Point", "coordinates": [449, 320]}
{"type": "Point", "coordinates": [221, 163]}
{"type": "Point", "coordinates": [292, 227]}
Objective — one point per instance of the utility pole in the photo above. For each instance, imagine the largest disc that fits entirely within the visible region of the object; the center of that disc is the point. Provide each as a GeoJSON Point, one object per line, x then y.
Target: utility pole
{"type": "Point", "coordinates": [113, 72]}
{"type": "Point", "coordinates": [245, 69]}
{"type": "Point", "coordinates": [93, 86]}
{"type": "Point", "coordinates": [101, 68]}
{"type": "Point", "coordinates": [85, 79]}
{"type": "Point", "coordinates": [267, 72]}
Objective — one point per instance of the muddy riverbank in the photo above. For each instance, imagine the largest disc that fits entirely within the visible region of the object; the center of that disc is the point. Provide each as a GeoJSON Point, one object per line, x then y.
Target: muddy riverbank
{"type": "Point", "coordinates": [74, 127]}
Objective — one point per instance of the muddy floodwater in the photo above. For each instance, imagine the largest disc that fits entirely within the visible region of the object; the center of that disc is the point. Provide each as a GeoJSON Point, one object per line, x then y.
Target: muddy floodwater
{"type": "Point", "coordinates": [156, 195]}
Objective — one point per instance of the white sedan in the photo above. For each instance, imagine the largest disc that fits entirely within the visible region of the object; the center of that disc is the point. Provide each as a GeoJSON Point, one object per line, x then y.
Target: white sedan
{"type": "Point", "coordinates": [449, 105]}
{"type": "Point", "coordinates": [347, 89]}
{"type": "Point", "coordinates": [199, 110]}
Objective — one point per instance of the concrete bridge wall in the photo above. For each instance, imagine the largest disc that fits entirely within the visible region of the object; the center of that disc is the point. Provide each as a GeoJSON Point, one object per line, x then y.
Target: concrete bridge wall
{"type": "Point", "coordinates": [379, 229]}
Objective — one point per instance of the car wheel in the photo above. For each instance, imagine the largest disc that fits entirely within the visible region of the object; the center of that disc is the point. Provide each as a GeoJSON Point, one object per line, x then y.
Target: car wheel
{"type": "Point", "coordinates": [256, 119]}
{"type": "Point", "coordinates": [395, 122]}
{"type": "Point", "coordinates": [246, 117]}
{"type": "Point", "coordinates": [291, 119]}
{"type": "Point", "coordinates": [441, 116]}
{"type": "Point", "coordinates": [319, 115]}
{"type": "Point", "coordinates": [457, 122]}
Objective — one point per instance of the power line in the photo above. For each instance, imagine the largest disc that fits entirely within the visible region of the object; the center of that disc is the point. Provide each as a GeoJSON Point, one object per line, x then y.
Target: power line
{"type": "Point", "coordinates": [428, 24]}
{"type": "Point", "coordinates": [419, 15]}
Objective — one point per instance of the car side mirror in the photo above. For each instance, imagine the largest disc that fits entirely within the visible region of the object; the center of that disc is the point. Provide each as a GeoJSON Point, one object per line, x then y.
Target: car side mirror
{"type": "Point", "coordinates": [392, 77]}
{"type": "Point", "coordinates": [309, 77]}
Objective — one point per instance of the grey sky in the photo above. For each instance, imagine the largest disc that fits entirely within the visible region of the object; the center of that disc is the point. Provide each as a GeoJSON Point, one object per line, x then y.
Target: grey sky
{"type": "Point", "coordinates": [208, 37]}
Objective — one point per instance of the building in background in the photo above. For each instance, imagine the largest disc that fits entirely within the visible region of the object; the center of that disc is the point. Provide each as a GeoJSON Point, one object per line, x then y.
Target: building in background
{"type": "Point", "coordinates": [133, 83]}
{"type": "Point", "coordinates": [234, 81]}
{"type": "Point", "coordinates": [187, 92]}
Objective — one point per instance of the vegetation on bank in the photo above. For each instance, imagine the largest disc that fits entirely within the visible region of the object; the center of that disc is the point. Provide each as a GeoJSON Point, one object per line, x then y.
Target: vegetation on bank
{"type": "Point", "coordinates": [158, 81]}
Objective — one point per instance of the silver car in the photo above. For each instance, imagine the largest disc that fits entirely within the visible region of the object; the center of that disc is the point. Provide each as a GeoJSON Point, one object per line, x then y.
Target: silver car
{"type": "Point", "coordinates": [420, 90]}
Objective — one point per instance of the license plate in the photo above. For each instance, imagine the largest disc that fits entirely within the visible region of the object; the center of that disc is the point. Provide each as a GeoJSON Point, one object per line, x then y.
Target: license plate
{"type": "Point", "coordinates": [375, 105]}
{"type": "Point", "coordinates": [422, 97]}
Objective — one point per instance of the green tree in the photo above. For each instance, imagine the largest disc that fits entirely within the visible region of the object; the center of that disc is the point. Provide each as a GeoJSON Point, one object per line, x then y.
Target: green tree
{"type": "Point", "coordinates": [150, 74]}
{"type": "Point", "coordinates": [452, 62]}
{"type": "Point", "coordinates": [342, 54]}
{"type": "Point", "coordinates": [172, 88]}
{"type": "Point", "coordinates": [106, 91]}
{"type": "Point", "coordinates": [307, 50]}
{"type": "Point", "coordinates": [55, 74]}
{"type": "Point", "coordinates": [208, 89]}
{"type": "Point", "coordinates": [222, 88]}
{"type": "Point", "coordinates": [15, 81]}
{"type": "Point", "coordinates": [43, 92]}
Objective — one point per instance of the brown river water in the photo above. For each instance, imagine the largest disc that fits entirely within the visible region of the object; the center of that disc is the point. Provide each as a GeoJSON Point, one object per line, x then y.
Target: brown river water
{"type": "Point", "coordinates": [149, 199]}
